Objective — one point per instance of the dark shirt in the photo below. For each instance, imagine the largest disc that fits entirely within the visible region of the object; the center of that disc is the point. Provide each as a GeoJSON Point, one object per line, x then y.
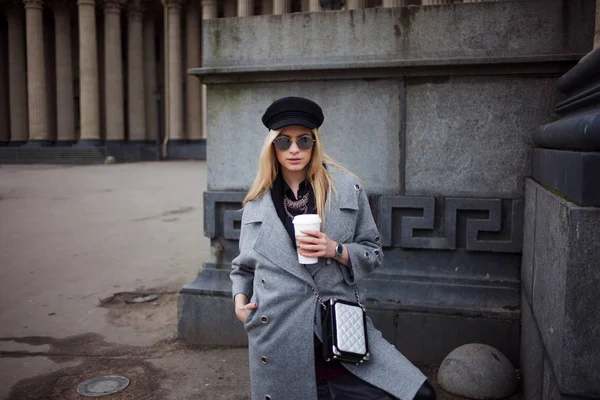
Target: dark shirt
{"type": "Point", "coordinates": [323, 370]}
{"type": "Point", "coordinates": [279, 190]}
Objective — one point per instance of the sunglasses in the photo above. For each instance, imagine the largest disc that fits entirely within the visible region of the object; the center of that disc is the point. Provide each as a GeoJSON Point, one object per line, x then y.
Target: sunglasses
{"type": "Point", "coordinates": [304, 142]}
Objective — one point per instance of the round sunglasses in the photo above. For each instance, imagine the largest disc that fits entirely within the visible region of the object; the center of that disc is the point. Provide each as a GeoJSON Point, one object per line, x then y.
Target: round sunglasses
{"type": "Point", "coordinates": [304, 142]}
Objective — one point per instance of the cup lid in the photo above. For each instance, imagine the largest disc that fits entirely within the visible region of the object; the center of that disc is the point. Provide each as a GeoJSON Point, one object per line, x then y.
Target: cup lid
{"type": "Point", "coordinates": [307, 219]}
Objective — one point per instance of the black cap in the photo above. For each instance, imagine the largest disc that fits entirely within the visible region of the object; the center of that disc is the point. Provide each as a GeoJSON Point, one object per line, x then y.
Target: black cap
{"type": "Point", "coordinates": [293, 111]}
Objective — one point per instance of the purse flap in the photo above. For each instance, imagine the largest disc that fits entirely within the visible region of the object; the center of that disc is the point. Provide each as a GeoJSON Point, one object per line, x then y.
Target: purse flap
{"type": "Point", "coordinates": [350, 328]}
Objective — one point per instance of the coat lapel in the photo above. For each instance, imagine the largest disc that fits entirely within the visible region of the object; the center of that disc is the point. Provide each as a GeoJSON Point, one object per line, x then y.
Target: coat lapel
{"type": "Point", "coordinates": [273, 242]}
{"type": "Point", "coordinates": [338, 209]}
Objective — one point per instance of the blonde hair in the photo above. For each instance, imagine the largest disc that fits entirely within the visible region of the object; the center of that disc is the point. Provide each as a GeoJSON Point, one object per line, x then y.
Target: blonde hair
{"type": "Point", "coordinates": [317, 174]}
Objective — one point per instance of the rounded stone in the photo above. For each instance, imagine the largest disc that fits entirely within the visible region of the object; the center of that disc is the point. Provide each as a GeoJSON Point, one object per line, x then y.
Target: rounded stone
{"type": "Point", "coordinates": [110, 160]}
{"type": "Point", "coordinates": [477, 371]}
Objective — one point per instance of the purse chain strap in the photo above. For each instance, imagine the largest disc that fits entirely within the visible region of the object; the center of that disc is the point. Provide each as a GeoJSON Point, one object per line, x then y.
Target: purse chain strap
{"type": "Point", "coordinates": [323, 304]}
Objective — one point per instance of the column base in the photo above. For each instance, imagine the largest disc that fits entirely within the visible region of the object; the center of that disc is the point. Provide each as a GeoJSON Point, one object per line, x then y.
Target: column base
{"type": "Point", "coordinates": [64, 143]}
{"type": "Point", "coordinates": [17, 143]}
{"type": "Point", "coordinates": [4, 144]}
{"type": "Point", "coordinates": [86, 144]}
{"type": "Point", "coordinates": [38, 143]}
{"type": "Point", "coordinates": [183, 149]}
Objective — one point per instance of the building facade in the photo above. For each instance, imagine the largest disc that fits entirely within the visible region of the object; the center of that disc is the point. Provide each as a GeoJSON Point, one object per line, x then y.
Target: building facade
{"type": "Point", "coordinates": [113, 72]}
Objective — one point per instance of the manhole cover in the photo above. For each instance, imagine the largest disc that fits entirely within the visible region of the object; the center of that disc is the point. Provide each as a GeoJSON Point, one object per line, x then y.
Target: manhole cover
{"type": "Point", "coordinates": [102, 386]}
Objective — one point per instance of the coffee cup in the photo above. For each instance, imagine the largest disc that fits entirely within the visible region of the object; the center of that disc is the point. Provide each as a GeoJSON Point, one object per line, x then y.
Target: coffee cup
{"type": "Point", "coordinates": [306, 222]}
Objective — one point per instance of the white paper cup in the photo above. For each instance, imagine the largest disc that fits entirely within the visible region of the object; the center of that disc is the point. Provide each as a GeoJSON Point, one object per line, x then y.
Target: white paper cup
{"type": "Point", "coordinates": [302, 223]}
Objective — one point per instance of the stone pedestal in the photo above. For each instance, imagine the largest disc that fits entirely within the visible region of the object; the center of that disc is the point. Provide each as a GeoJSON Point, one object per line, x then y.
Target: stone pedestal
{"type": "Point", "coordinates": [445, 172]}
{"type": "Point", "coordinates": [356, 4]}
{"type": "Point", "coordinates": [561, 318]}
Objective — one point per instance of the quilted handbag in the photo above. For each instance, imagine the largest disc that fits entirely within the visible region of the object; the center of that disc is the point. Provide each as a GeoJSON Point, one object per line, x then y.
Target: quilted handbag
{"type": "Point", "coordinates": [344, 330]}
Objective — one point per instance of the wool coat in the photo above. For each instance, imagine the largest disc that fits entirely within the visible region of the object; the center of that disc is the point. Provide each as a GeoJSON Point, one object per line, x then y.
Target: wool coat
{"type": "Point", "coordinates": [281, 330]}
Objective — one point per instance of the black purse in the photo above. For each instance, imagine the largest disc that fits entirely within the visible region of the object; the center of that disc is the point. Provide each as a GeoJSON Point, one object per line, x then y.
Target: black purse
{"type": "Point", "coordinates": [344, 330]}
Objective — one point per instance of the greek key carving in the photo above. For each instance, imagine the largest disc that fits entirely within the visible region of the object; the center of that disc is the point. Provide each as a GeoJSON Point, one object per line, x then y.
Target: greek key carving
{"type": "Point", "coordinates": [222, 214]}
{"type": "Point", "coordinates": [493, 225]}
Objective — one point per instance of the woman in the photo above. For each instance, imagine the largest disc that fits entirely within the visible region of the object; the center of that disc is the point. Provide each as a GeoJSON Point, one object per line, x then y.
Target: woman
{"type": "Point", "coordinates": [273, 293]}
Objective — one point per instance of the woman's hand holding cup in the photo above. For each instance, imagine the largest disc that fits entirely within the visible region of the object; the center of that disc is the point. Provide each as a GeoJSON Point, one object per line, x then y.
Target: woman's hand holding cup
{"type": "Point", "coordinates": [315, 245]}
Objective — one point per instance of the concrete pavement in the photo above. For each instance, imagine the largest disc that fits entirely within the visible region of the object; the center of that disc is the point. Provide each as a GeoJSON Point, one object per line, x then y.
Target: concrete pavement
{"type": "Point", "coordinates": [73, 237]}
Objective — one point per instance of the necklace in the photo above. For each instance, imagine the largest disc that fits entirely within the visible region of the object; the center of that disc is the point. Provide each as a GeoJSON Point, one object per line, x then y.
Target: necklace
{"type": "Point", "coordinates": [296, 205]}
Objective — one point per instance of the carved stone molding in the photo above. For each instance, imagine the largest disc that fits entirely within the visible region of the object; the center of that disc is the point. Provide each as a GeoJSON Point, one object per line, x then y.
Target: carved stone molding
{"type": "Point", "coordinates": [222, 214]}
{"type": "Point", "coordinates": [136, 8]}
{"type": "Point", "coordinates": [173, 4]}
{"type": "Point", "coordinates": [114, 6]}
{"type": "Point", "coordinates": [34, 3]}
{"type": "Point", "coordinates": [493, 225]}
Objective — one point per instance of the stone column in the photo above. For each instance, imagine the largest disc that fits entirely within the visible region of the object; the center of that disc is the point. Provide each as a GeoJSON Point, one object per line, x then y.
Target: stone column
{"type": "Point", "coordinates": [356, 4]}
{"type": "Point", "coordinates": [209, 9]}
{"type": "Point", "coordinates": [150, 77]}
{"type": "Point", "coordinates": [314, 5]}
{"type": "Point", "coordinates": [245, 8]}
{"type": "Point", "coordinates": [17, 75]}
{"type": "Point", "coordinates": [436, 2]}
{"type": "Point", "coordinates": [88, 72]}
{"type": "Point", "coordinates": [136, 106]}
{"type": "Point", "coordinates": [65, 118]}
{"type": "Point", "coordinates": [304, 5]}
{"type": "Point", "coordinates": [267, 7]}
{"type": "Point", "coordinates": [113, 71]}
{"type": "Point", "coordinates": [396, 3]}
{"type": "Point", "coordinates": [229, 8]}
{"type": "Point", "coordinates": [194, 60]}
{"type": "Point", "coordinates": [36, 72]}
{"type": "Point", "coordinates": [4, 116]}
{"type": "Point", "coordinates": [173, 67]}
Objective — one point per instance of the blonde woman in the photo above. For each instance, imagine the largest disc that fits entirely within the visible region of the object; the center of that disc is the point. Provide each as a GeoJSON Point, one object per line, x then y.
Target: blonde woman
{"type": "Point", "coordinates": [272, 291]}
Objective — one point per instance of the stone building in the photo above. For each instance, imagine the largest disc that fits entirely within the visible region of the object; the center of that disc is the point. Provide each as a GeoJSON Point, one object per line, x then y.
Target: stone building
{"type": "Point", "coordinates": [113, 73]}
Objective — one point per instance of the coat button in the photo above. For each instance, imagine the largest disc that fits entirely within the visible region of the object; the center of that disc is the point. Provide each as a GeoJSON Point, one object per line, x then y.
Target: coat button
{"type": "Point", "coordinates": [263, 359]}
{"type": "Point", "coordinates": [368, 255]}
{"type": "Point", "coordinates": [267, 397]}
{"type": "Point", "coordinates": [357, 187]}
{"type": "Point", "coordinates": [264, 319]}
{"type": "Point", "coordinates": [377, 239]}
{"type": "Point", "coordinates": [376, 252]}
{"type": "Point", "coordinates": [262, 282]}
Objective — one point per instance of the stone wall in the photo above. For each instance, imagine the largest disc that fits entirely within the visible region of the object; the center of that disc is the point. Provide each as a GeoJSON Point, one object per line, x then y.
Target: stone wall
{"type": "Point", "coordinates": [560, 350]}
{"type": "Point", "coordinates": [435, 108]}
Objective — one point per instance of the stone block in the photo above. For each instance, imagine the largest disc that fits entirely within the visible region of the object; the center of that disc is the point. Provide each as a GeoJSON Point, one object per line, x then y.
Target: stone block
{"type": "Point", "coordinates": [565, 299]}
{"type": "Point", "coordinates": [361, 129]}
{"type": "Point", "coordinates": [580, 372]}
{"type": "Point", "coordinates": [384, 321]}
{"type": "Point", "coordinates": [494, 29]}
{"type": "Point", "coordinates": [574, 174]}
{"type": "Point", "coordinates": [532, 354]}
{"type": "Point", "coordinates": [469, 137]}
{"type": "Point", "coordinates": [550, 271]}
{"type": "Point", "coordinates": [205, 311]}
{"type": "Point", "coordinates": [527, 261]}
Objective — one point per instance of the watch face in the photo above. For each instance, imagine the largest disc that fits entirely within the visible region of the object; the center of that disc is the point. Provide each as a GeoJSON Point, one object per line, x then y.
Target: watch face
{"type": "Point", "coordinates": [339, 249]}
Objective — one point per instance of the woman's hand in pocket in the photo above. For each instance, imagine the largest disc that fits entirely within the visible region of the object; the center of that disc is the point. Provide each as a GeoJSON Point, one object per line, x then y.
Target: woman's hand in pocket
{"type": "Point", "coordinates": [243, 307]}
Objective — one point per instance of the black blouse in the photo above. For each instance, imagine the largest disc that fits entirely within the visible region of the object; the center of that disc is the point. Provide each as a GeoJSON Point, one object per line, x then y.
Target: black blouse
{"type": "Point", "coordinates": [280, 190]}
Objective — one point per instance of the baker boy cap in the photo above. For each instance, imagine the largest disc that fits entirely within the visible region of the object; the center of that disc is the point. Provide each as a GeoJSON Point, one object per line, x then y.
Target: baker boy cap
{"type": "Point", "coordinates": [293, 111]}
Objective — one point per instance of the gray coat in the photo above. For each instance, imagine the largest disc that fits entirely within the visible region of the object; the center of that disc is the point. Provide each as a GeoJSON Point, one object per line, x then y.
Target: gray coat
{"type": "Point", "coordinates": [280, 330]}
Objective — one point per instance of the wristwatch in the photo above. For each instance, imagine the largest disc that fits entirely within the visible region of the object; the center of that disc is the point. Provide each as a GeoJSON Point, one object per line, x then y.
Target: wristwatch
{"type": "Point", "coordinates": [339, 250]}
